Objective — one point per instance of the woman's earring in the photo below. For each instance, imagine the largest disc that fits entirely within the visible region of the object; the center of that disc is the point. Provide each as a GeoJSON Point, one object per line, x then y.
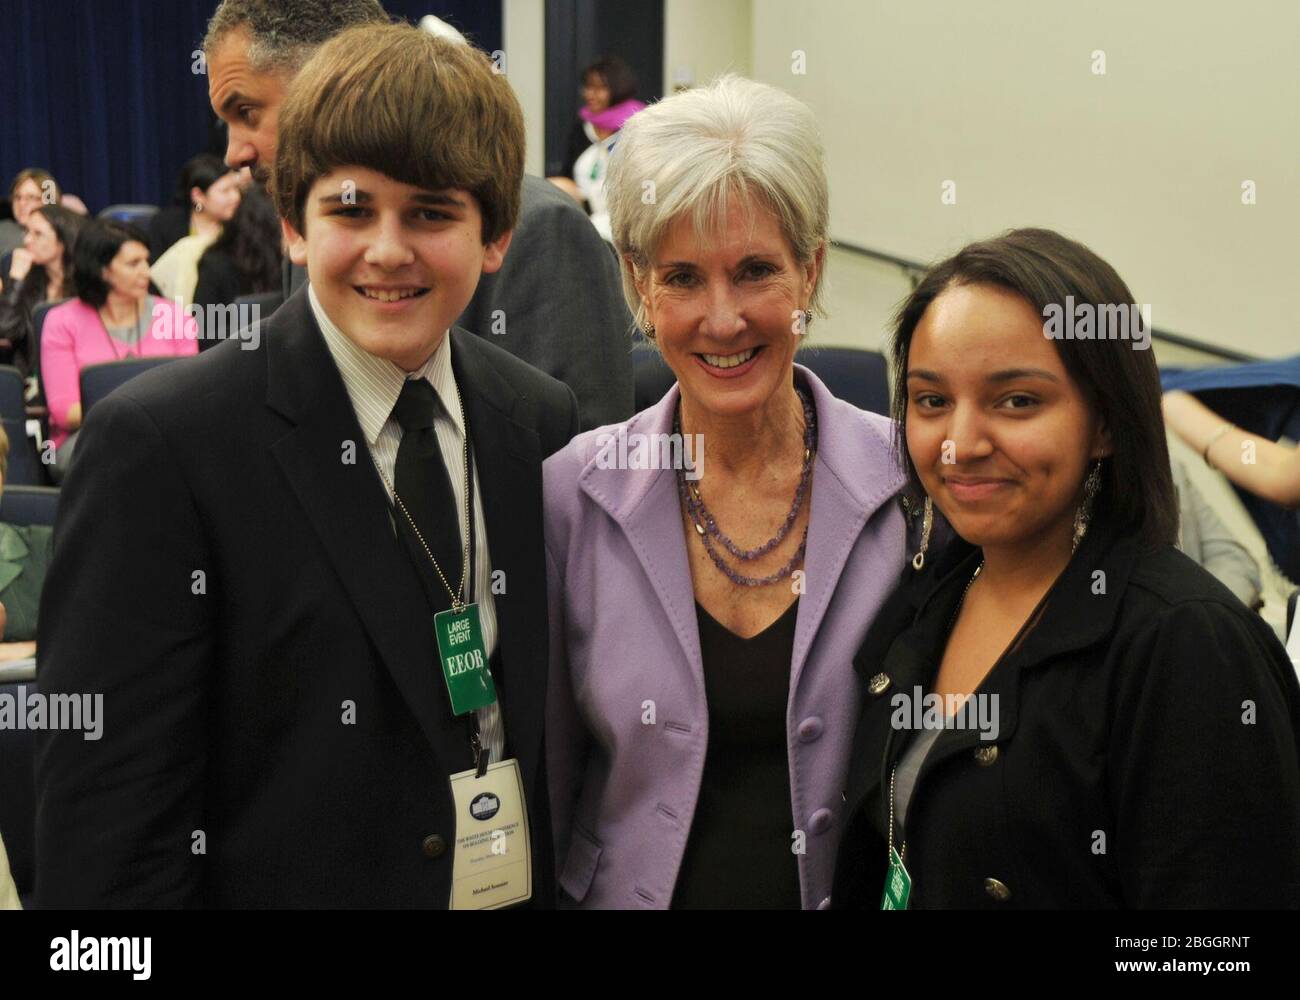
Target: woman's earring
{"type": "Point", "coordinates": [649, 330]}
{"type": "Point", "coordinates": [1084, 514]}
{"type": "Point", "coordinates": [927, 521]}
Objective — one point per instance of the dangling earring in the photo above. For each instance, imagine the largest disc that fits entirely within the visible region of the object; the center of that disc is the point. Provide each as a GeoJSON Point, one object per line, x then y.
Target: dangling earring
{"type": "Point", "coordinates": [927, 521]}
{"type": "Point", "coordinates": [649, 331]}
{"type": "Point", "coordinates": [1084, 514]}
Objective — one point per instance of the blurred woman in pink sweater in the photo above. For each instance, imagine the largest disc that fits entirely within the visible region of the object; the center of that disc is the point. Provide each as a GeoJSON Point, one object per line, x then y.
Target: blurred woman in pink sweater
{"type": "Point", "coordinates": [112, 318]}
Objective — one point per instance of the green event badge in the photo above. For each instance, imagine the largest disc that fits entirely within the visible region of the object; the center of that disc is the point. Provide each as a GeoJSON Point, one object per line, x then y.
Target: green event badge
{"type": "Point", "coordinates": [898, 884]}
{"type": "Point", "coordinates": [464, 660]}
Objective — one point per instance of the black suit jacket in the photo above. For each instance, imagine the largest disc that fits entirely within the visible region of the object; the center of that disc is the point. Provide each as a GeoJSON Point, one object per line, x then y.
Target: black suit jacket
{"type": "Point", "coordinates": [1124, 773]}
{"type": "Point", "coordinates": [226, 574]}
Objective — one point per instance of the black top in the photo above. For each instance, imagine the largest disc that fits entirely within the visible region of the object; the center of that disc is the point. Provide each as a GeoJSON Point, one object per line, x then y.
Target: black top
{"type": "Point", "coordinates": [218, 285]}
{"type": "Point", "coordinates": [168, 225]}
{"type": "Point", "coordinates": [739, 855]}
{"type": "Point", "coordinates": [1145, 753]}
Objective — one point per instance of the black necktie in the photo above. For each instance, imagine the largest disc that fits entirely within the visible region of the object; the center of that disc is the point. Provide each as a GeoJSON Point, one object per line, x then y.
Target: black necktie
{"type": "Point", "coordinates": [421, 481]}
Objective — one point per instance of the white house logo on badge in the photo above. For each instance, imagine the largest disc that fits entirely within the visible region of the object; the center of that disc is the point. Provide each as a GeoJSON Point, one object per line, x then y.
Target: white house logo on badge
{"type": "Point", "coordinates": [484, 806]}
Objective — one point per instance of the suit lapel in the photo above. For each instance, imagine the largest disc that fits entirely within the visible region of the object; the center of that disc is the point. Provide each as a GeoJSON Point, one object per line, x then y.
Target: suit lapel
{"type": "Point", "coordinates": [508, 466]}
{"type": "Point", "coordinates": [344, 503]}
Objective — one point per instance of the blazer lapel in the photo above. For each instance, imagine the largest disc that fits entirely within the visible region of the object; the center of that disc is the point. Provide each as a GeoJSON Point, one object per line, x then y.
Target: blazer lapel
{"type": "Point", "coordinates": [345, 504]}
{"type": "Point", "coordinates": [508, 467]}
{"type": "Point", "coordinates": [843, 500]}
{"type": "Point", "coordinates": [644, 504]}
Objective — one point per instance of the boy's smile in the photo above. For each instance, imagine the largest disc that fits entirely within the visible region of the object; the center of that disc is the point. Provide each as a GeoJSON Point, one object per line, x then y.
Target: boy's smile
{"type": "Point", "coordinates": [393, 265]}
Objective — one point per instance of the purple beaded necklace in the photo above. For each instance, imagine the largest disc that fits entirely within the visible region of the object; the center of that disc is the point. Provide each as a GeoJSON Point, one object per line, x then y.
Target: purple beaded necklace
{"type": "Point", "coordinates": [707, 527]}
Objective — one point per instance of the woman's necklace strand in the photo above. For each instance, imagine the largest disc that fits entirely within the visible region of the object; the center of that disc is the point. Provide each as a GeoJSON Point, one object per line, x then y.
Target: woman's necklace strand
{"type": "Point", "coordinates": [706, 525]}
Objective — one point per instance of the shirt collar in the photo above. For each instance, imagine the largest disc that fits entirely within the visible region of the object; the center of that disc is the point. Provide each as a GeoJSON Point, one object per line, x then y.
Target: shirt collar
{"type": "Point", "coordinates": [373, 384]}
{"type": "Point", "coordinates": [1095, 578]}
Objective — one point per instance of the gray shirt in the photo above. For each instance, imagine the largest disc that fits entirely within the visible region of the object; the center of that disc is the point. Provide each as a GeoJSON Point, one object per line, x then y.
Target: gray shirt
{"type": "Point", "coordinates": [1204, 537]}
{"type": "Point", "coordinates": [909, 766]}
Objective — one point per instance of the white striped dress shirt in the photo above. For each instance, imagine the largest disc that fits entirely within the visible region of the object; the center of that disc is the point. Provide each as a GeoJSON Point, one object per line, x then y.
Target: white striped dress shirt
{"type": "Point", "coordinates": [373, 385]}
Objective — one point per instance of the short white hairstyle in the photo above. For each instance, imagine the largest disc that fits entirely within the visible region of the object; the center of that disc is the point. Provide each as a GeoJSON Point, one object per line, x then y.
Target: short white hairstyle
{"type": "Point", "coordinates": [694, 151]}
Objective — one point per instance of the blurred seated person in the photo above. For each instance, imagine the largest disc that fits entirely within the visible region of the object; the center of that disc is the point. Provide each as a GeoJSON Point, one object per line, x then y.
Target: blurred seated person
{"type": "Point", "coordinates": [1203, 536]}
{"type": "Point", "coordinates": [606, 83]}
{"type": "Point", "coordinates": [246, 259]}
{"type": "Point", "coordinates": [41, 271]}
{"type": "Point", "coordinates": [189, 214]}
{"type": "Point", "coordinates": [31, 188]}
{"type": "Point", "coordinates": [24, 557]}
{"type": "Point", "coordinates": [1274, 475]}
{"type": "Point", "coordinates": [216, 197]}
{"type": "Point", "coordinates": [112, 318]}
{"type": "Point", "coordinates": [609, 93]}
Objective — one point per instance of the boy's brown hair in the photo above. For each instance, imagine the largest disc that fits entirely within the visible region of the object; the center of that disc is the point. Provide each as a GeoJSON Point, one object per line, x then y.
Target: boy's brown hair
{"type": "Point", "coordinates": [423, 110]}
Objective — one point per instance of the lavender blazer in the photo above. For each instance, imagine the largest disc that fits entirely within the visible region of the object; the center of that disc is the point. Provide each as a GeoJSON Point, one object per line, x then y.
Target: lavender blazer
{"type": "Point", "coordinates": [624, 635]}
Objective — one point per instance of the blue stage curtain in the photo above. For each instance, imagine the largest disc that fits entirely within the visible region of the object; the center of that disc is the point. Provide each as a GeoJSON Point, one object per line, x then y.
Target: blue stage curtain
{"type": "Point", "coordinates": [103, 93]}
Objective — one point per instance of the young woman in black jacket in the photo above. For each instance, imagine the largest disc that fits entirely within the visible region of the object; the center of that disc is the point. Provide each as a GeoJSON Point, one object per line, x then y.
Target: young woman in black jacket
{"type": "Point", "coordinates": [1060, 709]}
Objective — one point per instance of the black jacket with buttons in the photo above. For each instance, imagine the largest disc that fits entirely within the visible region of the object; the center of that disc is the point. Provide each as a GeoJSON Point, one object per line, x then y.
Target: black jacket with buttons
{"type": "Point", "coordinates": [1146, 753]}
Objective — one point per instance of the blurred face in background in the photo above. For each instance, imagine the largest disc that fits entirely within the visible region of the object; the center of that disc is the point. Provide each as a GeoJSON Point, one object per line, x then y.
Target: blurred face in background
{"type": "Point", "coordinates": [248, 102]}
{"type": "Point", "coordinates": [595, 92]}
{"type": "Point", "coordinates": [26, 199]}
{"type": "Point", "coordinates": [41, 241]}
{"type": "Point", "coordinates": [220, 201]}
{"type": "Point", "coordinates": [127, 273]}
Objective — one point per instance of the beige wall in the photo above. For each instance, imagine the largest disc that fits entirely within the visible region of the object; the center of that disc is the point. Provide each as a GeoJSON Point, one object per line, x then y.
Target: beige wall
{"type": "Point", "coordinates": [1144, 163]}
{"type": "Point", "coordinates": [524, 34]}
{"type": "Point", "coordinates": [703, 39]}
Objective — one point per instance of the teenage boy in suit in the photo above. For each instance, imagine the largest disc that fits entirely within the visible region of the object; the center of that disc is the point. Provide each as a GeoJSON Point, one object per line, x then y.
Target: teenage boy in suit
{"type": "Point", "coordinates": [267, 564]}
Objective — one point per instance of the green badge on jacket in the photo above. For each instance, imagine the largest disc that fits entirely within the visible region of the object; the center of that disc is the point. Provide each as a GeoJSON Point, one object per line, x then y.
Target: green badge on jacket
{"type": "Point", "coordinates": [898, 884]}
{"type": "Point", "coordinates": [464, 660]}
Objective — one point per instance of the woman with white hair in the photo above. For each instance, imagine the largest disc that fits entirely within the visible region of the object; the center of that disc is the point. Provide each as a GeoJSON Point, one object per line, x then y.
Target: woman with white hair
{"type": "Point", "coordinates": [715, 560]}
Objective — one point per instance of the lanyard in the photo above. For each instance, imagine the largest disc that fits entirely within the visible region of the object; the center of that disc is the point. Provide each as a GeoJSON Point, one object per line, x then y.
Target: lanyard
{"type": "Point", "coordinates": [898, 883]}
{"type": "Point", "coordinates": [479, 753]}
{"type": "Point", "coordinates": [139, 336]}
{"type": "Point", "coordinates": [464, 594]}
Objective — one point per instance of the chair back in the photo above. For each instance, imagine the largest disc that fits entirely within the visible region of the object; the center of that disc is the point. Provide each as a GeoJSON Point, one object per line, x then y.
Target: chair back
{"type": "Point", "coordinates": [97, 381]}
{"type": "Point", "coordinates": [24, 463]}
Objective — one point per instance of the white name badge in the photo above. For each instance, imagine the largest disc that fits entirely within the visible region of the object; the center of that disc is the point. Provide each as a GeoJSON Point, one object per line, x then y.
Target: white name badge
{"type": "Point", "coordinates": [493, 863]}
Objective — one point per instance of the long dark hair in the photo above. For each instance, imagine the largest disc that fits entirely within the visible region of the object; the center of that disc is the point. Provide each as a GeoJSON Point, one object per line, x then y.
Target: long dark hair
{"type": "Point", "coordinates": [252, 241]}
{"type": "Point", "coordinates": [66, 225]}
{"type": "Point", "coordinates": [1120, 383]}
